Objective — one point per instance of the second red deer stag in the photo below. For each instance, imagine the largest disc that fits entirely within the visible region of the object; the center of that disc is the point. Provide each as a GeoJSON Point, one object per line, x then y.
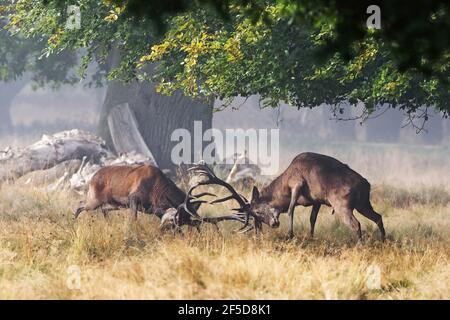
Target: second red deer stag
{"type": "Point", "coordinates": [146, 188]}
{"type": "Point", "coordinates": [142, 187]}
{"type": "Point", "coordinates": [314, 180]}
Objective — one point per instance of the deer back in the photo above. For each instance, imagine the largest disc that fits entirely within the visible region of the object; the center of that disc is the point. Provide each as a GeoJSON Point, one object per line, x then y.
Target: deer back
{"type": "Point", "coordinates": [118, 183]}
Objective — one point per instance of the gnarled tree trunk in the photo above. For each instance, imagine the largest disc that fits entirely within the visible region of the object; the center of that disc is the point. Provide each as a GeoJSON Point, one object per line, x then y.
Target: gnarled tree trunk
{"type": "Point", "coordinates": [157, 116]}
{"type": "Point", "coordinates": [125, 133]}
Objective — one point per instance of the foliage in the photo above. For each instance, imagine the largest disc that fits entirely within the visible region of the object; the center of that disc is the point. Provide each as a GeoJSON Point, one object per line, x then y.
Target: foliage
{"type": "Point", "coordinates": [305, 53]}
{"type": "Point", "coordinates": [20, 56]}
{"type": "Point", "coordinates": [101, 32]}
{"type": "Point", "coordinates": [417, 35]}
{"type": "Point", "coordinates": [204, 55]}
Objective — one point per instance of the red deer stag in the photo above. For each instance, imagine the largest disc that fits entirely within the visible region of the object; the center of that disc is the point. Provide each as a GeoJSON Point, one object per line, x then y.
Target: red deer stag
{"type": "Point", "coordinates": [146, 188]}
{"type": "Point", "coordinates": [313, 180]}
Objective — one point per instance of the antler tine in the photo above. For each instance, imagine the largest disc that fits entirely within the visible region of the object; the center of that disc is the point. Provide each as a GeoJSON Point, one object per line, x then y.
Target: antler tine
{"type": "Point", "coordinates": [246, 230]}
{"type": "Point", "coordinates": [222, 200]}
{"type": "Point", "coordinates": [257, 227]}
{"type": "Point", "coordinates": [203, 169]}
{"type": "Point", "coordinates": [222, 218]}
{"type": "Point", "coordinates": [187, 203]}
{"type": "Point", "coordinates": [237, 217]}
{"type": "Point", "coordinates": [197, 201]}
{"type": "Point", "coordinates": [202, 194]}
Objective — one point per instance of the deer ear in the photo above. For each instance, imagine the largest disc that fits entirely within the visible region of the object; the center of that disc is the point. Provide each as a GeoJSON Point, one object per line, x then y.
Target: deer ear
{"type": "Point", "coordinates": [255, 194]}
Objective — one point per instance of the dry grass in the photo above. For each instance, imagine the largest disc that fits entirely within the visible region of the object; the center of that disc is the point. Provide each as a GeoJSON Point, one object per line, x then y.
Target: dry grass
{"type": "Point", "coordinates": [39, 242]}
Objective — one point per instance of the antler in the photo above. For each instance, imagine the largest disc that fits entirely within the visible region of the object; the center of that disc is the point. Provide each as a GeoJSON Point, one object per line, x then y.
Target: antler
{"type": "Point", "coordinates": [188, 203]}
{"type": "Point", "coordinates": [186, 212]}
{"type": "Point", "coordinates": [188, 207]}
{"type": "Point", "coordinates": [244, 207]}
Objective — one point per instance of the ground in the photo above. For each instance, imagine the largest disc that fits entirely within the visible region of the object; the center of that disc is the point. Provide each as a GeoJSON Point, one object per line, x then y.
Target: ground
{"type": "Point", "coordinates": [45, 254]}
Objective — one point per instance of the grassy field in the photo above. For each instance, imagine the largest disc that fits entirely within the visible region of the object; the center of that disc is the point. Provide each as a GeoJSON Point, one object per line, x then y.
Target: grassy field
{"type": "Point", "coordinates": [45, 254]}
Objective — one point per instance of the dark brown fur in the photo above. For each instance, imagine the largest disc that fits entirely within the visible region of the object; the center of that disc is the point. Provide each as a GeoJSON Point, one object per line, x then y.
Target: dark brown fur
{"type": "Point", "coordinates": [144, 186]}
{"type": "Point", "coordinates": [313, 180]}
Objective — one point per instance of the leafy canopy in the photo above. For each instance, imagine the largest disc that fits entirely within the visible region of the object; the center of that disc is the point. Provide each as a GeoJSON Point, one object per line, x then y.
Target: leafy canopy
{"type": "Point", "coordinates": [20, 56]}
{"type": "Point", "coordinates": [302, 52]}
{"type": "Point", "coordinates": [205, 55]}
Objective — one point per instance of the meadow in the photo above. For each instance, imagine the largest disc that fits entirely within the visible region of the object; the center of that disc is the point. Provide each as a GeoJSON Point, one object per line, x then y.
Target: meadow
{"type": "Point", "coordinates": [45, 254]}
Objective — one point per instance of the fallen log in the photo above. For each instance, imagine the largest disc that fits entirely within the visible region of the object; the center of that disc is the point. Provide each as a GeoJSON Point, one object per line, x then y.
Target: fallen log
{"type": "Point", "coordinates": [50, 151]}
{"type": "Point", "coordinates": [40, 178]}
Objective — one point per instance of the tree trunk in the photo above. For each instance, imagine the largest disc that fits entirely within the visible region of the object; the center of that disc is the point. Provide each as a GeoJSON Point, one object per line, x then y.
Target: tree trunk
{"type": "Point", "coordinates": [8, 91]}
{"type": "Point", "coordinates": [125, 132]}
{"type": "Point", "coordinates": [117, 93]}
{"type": "Point", "coordinates": [157, 116]}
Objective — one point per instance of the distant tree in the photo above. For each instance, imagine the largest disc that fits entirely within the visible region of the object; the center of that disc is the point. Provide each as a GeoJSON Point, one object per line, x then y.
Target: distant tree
{"type": "Point", "coordinates": [21, 62]}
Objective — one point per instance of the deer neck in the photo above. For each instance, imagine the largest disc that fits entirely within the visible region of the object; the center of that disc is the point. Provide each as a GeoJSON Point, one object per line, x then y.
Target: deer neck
{"type": "Point", "coordinates": [273, 195]}
{"type": "Point", "coordinates": [267, 196]}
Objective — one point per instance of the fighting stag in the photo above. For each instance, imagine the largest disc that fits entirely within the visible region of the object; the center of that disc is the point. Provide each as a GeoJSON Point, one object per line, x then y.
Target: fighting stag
{"type": "Point", "coordinates": [146, 188]}
{"type": "Point", "coordinates": [140, 187]}
{"type": "Point", "coordinates": [314, 180]}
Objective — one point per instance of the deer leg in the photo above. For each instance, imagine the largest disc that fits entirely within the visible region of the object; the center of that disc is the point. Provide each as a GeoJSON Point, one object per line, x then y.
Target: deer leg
{"type": "Point", "coordinates": [134, 204]}
{"type": "Point", "coordinates": [78, 211]}
{"type": "Point", "coordinates": [147, 208]}
{"type": "Point", "coordinates": [106, 209]}
{"type": "Point", "coordinates": [369, 213]}
{"type": "Point", "coordinates": [192, 227]}
{"type": "Point", "coordinates": [312, 219]}
{"type": "Point", "coordinates": [292, 204]}
{"type": "Point", "coordinates": [347, 217]}
{"type": "Point", "coordinates": [105, 212]}
{"type": "Point", "coordinates": [217, 227]}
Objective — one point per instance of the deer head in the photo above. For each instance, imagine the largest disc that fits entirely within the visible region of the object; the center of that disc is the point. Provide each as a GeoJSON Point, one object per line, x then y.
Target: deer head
{"type": "Point", "coordinates": [263, 211]}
